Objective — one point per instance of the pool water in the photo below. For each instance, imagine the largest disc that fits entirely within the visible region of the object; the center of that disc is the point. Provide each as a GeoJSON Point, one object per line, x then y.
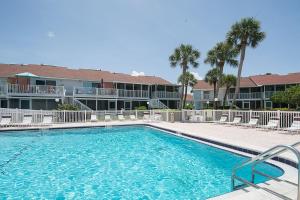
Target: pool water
{"type": "Point", "coordinates": [131, 162]}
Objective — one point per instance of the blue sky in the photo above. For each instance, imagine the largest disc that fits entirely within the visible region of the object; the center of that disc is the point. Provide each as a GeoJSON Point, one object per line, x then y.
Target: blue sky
{"type": "Point", "coordinates": [128, 35]}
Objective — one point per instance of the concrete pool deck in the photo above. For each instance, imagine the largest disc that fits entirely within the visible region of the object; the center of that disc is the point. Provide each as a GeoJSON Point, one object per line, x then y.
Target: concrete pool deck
{"type": "Point", "coordinates": [250, 138]}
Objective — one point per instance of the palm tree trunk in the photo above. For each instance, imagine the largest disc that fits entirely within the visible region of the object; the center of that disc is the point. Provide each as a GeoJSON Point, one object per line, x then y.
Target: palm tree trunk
{"type": "Point", "coordinates": [225, 96]}
{"type": "Point", "coordinates": [214, 102]}
{"type": "Point", "coordinates": [182, 88]}
{"type": "Point", "coordinates": [185, 94]}
{"type": "Point", "coordinates": [238, 82]}
{"type": "Point", "coordinates": [221, 67]}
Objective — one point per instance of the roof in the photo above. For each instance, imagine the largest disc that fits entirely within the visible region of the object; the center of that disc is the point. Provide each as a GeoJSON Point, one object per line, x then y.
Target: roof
{"type": "Point", "coordinates": [275, 79]}
{"type": "Point", "coordinates": [202, 85]}
{"type": "Point", "coordinates": [258, 80]}
{"type": "Point", "coordinates": [48, 71]}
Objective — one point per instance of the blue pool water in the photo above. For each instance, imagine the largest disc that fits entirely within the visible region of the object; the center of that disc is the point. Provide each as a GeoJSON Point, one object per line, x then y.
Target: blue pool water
{"type": "Point", "coordinates": [134, 162]}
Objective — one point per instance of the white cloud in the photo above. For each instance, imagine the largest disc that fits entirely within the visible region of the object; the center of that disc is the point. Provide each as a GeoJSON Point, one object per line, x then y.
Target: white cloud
{"type": "Point", "coordinates": [197, 76]}
{"type": "Point", "coordinates": [135, 73]}
{"type": "Point", "coordinates": [50, 34]}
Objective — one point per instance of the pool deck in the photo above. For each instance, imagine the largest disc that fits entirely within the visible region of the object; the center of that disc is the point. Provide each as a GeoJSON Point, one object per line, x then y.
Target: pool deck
{"type": "Point", "coordinates": [250, 138]}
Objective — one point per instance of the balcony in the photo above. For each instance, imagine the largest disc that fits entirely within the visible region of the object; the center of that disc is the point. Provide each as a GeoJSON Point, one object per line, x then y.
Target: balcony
{"type": "Point", "coordinates": [31, 90]}
{"type": "Point", "coordinates": [253, 95]}
{"type": "Point", "coordinates": [109, 92]}
{"type": "Point", "coordinates": [166, 95]}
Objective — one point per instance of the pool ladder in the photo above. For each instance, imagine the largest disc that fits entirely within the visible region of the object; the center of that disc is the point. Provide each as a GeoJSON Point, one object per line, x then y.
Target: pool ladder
{"type": "Point", "coordinates": [268, 154]}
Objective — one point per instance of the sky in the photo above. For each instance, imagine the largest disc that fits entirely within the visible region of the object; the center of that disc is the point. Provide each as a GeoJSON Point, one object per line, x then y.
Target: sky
{"type": "Point", "coordinates": [138, 36]}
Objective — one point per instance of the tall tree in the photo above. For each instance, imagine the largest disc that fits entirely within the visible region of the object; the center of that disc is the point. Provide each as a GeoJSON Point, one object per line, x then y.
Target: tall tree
{"type": "Point", "coordinates": [189, 80]}
{"type": "Point", "coordinates": [244, 33]}
{"type": "Point", "coordinates": [212, 77]}
{"type": "Point", "coordinates": [227, 81]}
{"type": "Point", "coordinates": [184, 56]}
{"type": "Point", "coordinates": [221, 54]}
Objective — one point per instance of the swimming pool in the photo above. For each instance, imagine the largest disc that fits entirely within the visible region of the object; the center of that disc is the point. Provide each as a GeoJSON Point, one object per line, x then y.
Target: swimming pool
{"type": "Point", "coordinates": [130, 162]}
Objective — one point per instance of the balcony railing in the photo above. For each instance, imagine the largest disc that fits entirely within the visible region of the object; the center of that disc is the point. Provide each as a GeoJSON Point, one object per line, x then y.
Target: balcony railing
{"type": "Point", "coordinates": [32, 90]}
{"type": "Point", "coordinates": [269, 94]}
{"type": "Point", "coordinates": [253, 95]}
{"type": "Point", "coordinates": [110, 92]}
{"type": "Point", "coordinates": [166, 95]}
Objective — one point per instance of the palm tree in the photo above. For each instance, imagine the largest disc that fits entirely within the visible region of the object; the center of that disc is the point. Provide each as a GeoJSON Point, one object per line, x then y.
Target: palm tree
{"type": "Point", "coordinates": [189, 80]}
{"type": "Point", "coordinates": [184, 56]}
{"type": "Point", "coordinates": [221, 54]}
{"type": "Point", "coordinates": [244, 33]}
{"type": "Point", "coordinates": [227, 81]}
{"type": "Point", "coordinates": [212, 77]}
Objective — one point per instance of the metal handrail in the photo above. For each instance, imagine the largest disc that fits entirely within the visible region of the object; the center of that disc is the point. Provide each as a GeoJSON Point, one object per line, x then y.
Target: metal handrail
{"type": "Point", "coordinates": [268, 154]}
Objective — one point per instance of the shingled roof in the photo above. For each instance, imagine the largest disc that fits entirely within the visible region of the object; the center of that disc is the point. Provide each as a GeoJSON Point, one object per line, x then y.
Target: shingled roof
{"type": "Point", "coordinates": [48, 71]}
{"type": "Point", "coordinates": [258, 80]}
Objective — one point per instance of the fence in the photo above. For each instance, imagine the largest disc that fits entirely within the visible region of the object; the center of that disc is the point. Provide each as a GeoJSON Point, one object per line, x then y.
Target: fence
{"type": "Point", "coordinates": [286, 118]}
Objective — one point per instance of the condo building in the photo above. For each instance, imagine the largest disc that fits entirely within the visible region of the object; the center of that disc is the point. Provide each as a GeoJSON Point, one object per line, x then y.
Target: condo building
{"type": "Point", "coordinates": [255, 91]}
{"type": "Point", "coordinates": [44, 87]}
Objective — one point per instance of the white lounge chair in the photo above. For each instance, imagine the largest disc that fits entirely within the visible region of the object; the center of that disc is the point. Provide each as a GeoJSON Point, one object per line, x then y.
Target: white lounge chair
{"type": "Point", "coordinates": [197, 118]}
{"type": "Point", "coordinates": [272, 124]}
{"type": "Point", "coordinates": [27, 121]}
{"type": "Point", "coordinates": [132, 117]}
{"type": "Point", "coordinates": [5, 121]}
{"type": "Point", "coordinates": [146, 117]}
{"type": "Point", "coordinates": [295, 127]}
{"type": "Point", "coordinates": [121, 117]}
{"type": "Point", "coordinates": [47, 120]}
{"type": "Point", "coordinates": [236, 120]}
{"type": "Point", "coordinates": [107, 117]}
{"type": "Point", "coordinates": [157, 117]}
{"type": "Point", "coordinates": [222, 120]}
{"type": "Point", "coordinates": [252, 123]}
{"type": "Point", "coordinates": [94, 118]}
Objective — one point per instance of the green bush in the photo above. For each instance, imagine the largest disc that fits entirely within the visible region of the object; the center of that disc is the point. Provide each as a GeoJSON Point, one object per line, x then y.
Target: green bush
{"type": "Point", "coordinates": [141, 108]}
{"type": "Point", "coordinates": [66, 106]}
{"type": "Point", "coordinates": [189, 106]}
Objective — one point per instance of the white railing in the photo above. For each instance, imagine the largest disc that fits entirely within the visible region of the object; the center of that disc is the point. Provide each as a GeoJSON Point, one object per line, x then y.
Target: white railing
{"type": "Point", "coordinates": [157, 104]}
{"type": "Point", "coordinates": [166, 95]}
{"type": "Point", "coordinates": [268, 94]}
{"type": "Point", "coordinates": [34, 90]}
{"type": "Point", "coordinates": [110, 92]}
{"type": "Point", "coordinates": [252, 95]}
{"type": "Point", "coordinates": [133, 93]}
{"type": "Point", "coordinates": [286, 118]}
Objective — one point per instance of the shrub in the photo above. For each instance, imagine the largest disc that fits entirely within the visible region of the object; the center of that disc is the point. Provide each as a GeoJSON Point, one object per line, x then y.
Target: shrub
{"type": "Point", "coordinates": [189, 106]}
{"type": "Point", "coordinates": [141, 108]}
{"type": "Point", "coordinates": [66, 106]}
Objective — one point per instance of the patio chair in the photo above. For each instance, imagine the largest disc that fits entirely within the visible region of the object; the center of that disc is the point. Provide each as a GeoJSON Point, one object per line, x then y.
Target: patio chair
{"type": "Point", "coordinates": [295, 127]}
{"type": "Point", "coordinates": [236, 121]}
{"type": "Point", "coordinates": [157, 117]}
{"type": "Point", "coordinates": [107, 117]}
{"type": "Point", "coordinates": [196, 118]}
{"type": "Point", "coordinates": [222, 120]}
{"type": "Point", "coordinates": [47, 120]}
{"type": "Point", "coordinates": [146, 117]}
{"type": "Point", "coordinates": [5, 121]}
{"type": "Point", "coordinates": [252, 123]}
{"type": "Point", "coordinates": [272, 124]}
{"type": "Point", "coordinates": [132, 117]}
{"type": "Point", "coordinates": [94, 118]}
{"type": "Point", "coordinates": [27, 121]}
{"type": "Point", "coordinates": [121, 117]}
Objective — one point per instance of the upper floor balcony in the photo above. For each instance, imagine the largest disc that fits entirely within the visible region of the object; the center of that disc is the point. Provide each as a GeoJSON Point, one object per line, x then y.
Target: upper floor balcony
{"type": "Point", "coordinates": [32, 90]}
{"type": "Point", "coordinates": [109, 92]}
{"type": "Point", "coordinates": [252, 95]}
{"type": "Point", "coordinates": [166, 95]}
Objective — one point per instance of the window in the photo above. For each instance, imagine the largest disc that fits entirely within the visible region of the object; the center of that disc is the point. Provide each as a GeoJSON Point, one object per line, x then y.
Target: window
{"type": "Point", "coordinates": [40, 82]}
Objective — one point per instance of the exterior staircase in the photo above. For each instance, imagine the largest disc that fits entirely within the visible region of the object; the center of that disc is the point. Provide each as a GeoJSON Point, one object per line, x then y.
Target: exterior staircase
{"type": "Point", "coordinates": [77, 103]}
{"type": "Point", "coordinates": [157, 104]}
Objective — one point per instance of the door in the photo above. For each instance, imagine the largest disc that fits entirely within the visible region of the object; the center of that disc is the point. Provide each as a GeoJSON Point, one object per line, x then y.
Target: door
{"type": "Point", "coordinates": [246, 105]}
{"type": "Point", "coordinates": [112, 105]}
{"type": "Point", "coordinates": [127, 105]}
{"type": "Point", "coordinates": [25, 104]}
